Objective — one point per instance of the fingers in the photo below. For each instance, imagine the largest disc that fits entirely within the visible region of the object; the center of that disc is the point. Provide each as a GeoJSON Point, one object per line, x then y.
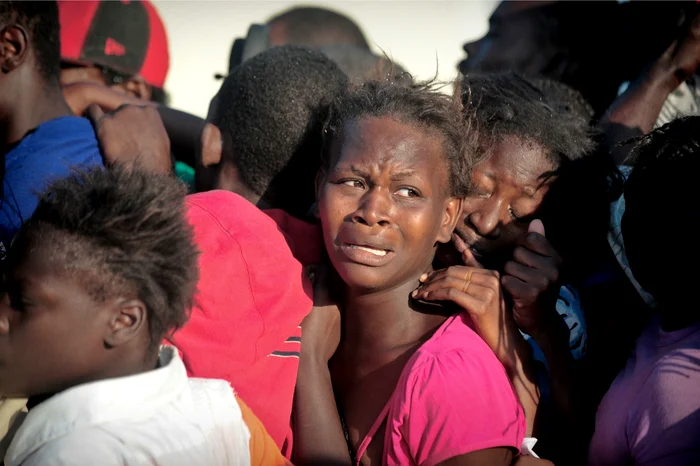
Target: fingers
{"type": "Point", "coordinates": [545, 265]}
{"type": "Point", "coordinates": [462, 272]}
{"type": "Point", "coordinates": [522, 292]}
{"type": "Point", "coordinates": [95, 115]}
{"type": "Point", "coordinates": [538, 278]}
{"type": "Point", "coordinates": [537, 243]}
{"type": "Point", "coordinates": [467, 254]}
{"type": "Point", "coordinates": [468, 287]}
{"type": "Point", "coordinates": [467, 301]}
{"type": "Point", "coordinates": [536, 226]}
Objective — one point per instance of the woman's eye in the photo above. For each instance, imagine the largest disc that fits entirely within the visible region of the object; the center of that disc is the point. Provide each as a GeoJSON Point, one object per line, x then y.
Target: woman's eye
{"type": "Point", "coordinates": [353, 183]}
{"type": "Point", "coordinates": [481, 194]}
{"type": "Point", "coordinates": [408, 192]}
{"type": "Point", "coordinates": [518, 218]}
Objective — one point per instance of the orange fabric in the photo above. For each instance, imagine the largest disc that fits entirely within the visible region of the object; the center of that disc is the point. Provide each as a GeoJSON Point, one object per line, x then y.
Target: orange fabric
{"type": "Point", "coordinates": [263, 450]}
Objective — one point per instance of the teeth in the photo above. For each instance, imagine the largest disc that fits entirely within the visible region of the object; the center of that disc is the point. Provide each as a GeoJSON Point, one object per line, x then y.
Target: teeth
{"type": "Point", "coordinates": [376, 252]}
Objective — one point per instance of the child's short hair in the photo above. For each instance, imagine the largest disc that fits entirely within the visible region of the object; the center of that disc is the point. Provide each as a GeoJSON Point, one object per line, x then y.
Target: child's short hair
{"type": "Point", "coordinates": [270, 111]}
{"type": "Point", "coordinates": [40, 19]}
{"type": "Point", "coordinates": [506, 104]}
{"type": "Point", "coordinates": [122, 231]}
{"type": "Point", "coordinates": [662, 189]}
{"type": "Point", "coordinates": [419, 104]}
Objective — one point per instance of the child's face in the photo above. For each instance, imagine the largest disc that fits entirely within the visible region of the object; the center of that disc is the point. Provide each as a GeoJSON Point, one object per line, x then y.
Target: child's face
{"type": "Point", "coordinates": [508, 191]}
{"type": "Point", "coordinates": [51, 330]}
{"type": "Point", "coordinates": [383, 203]}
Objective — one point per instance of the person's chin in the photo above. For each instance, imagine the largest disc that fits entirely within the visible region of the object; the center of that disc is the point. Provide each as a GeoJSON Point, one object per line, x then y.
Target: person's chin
{"type": "Point", "coordinates": [363, 278]}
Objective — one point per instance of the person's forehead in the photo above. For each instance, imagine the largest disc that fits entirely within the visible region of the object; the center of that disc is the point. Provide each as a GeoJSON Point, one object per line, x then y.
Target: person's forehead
{"type": "Point", "coordinates": [525, 162]}
{"type": "Point", "coordinates": [386, 140]}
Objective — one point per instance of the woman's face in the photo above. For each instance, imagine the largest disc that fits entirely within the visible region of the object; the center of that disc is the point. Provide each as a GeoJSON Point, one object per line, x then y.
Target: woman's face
{"type": "Point", "coordinates": [384, 203]}
{"type": "Point", "coordinates": [509, 188]}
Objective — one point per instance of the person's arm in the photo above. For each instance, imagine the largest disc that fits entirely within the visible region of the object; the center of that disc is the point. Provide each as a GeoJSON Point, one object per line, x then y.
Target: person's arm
{"type": "Point", "coordinates": [183, 129]}
{"type": "Point", "coordinates": [635, 112]}
{"type": "Point", "coordinates": [497, 327]}
{"type": "Point", "coordinates": [318, 433]}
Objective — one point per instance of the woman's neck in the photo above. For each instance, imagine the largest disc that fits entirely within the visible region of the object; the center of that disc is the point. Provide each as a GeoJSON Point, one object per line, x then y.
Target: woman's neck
{"type": "Point", "coordinates": [388, 319]}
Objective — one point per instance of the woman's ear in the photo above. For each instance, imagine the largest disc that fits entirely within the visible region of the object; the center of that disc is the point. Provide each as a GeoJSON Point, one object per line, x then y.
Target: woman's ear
{"type": "Point", "coordinates": [451, 215]}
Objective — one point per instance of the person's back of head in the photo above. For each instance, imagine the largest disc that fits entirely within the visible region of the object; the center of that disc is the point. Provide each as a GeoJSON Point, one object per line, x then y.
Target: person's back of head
{"type": "Point", "coordinates": [95, 263]}
{"type": "Point", "coordinates": [361, 65]}
{"type": "Point", "coordinates": [661, 188]}
{"type": "Point", "coordinates": [34, 29]}
{"type": "Point", "coordinates": [270, 111]}
{"type": "Point", "coordinates": [315, 27]}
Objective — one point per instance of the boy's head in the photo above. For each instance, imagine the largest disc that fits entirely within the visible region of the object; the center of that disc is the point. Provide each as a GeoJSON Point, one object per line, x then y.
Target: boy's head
{"type": "Point", "coordinates": [393, 177]}
{"type": "Point", "coordinates": [524, 136]}
{"type": "Point", "coordinates": [662, 188]}
{"type": "Point", "coordinates": [121, 45]}
{"type": "Point", "coordinates": [315, 27]}
{"type": "Point", "coordinates": [270, 111]}
{"type": "Point", "coordinates": [30, 41]}
{"type": "Point", "coordinates": [104, 269]}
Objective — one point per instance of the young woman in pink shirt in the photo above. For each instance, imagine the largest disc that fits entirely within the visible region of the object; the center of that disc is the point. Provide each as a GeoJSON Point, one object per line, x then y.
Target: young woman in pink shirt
{"type": "Point", "coordinates": [413, 381]}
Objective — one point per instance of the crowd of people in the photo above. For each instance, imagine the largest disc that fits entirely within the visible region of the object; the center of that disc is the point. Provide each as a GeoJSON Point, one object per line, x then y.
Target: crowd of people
{"type": "Point", "coordinates": [342, 264]}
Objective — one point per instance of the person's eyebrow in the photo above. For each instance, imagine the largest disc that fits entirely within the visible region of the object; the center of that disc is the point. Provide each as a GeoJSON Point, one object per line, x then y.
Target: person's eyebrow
{"type": "Point", "coordinates": [403, 175]}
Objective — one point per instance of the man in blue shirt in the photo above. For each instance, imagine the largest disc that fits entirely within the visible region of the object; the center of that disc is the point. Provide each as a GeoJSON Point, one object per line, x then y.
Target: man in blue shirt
{"type": "Point", "coordinates": [40, 139]}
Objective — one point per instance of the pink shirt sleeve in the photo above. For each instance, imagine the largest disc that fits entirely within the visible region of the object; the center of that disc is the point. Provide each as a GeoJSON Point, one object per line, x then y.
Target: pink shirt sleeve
{"type": "Point", "coordinates": [453, 403]}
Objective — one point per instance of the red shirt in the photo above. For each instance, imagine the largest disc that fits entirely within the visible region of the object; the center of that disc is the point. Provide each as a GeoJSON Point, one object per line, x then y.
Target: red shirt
{"type": "Point", "coordinates": [252, 296]}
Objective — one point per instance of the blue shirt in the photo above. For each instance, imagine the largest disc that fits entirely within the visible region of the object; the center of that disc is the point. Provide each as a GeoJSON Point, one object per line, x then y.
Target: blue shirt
{"type": "Point", "coordinates": [47, 153]}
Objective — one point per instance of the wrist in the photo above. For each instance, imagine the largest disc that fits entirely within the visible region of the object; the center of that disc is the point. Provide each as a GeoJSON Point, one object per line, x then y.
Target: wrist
{"type": "Point", "coordinates": [663, 78]}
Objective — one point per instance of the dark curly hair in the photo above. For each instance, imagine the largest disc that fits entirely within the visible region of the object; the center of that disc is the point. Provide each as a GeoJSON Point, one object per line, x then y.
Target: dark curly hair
{"type": "Point", "coordinates": [662, 186]}
{"type": "Point", "coordinates": [316, 27]}
{"type": "Point", "coordinates": [270, 111]}
{"type": "Point", "coordinates": [419, 104]}
{"type": "Point", "coordinates": [40, 19]}
{"type": "Point", "coordinates": [120, 231]}
{"type": "Point", "coordinates": [502, 105]}
{"type": "Point", "coordinates": [565, 99]}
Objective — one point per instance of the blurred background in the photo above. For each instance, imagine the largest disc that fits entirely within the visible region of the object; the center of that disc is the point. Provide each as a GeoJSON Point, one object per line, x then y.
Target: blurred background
{"type": "Point", "coordinates": [424, 36]}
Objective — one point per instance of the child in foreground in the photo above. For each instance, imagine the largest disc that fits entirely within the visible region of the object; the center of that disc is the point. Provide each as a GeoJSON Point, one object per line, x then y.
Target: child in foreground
{"type": "Point", "coordinates": [91, 289]}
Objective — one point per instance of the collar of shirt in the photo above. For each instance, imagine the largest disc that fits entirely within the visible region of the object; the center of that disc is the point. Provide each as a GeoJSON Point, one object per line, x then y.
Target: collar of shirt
{"type": "Point", "coordinates": [98, 402]}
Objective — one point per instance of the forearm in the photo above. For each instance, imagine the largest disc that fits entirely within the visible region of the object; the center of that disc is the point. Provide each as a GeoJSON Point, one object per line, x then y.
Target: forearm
{"type": "Point", "coordinates": [568, 405]}
{"type": "Point", "coordinates": [636, 111]}
{"type": "Point", "coordinates": [515, 355]}
{"type": "Point", "coordinates": [319, 438]}
{"type": "Point", "coordinates": [520, 368]}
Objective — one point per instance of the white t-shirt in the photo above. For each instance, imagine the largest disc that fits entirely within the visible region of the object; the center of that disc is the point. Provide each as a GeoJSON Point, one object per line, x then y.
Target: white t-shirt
{"type": "Point", "coordinates": [159, 417]}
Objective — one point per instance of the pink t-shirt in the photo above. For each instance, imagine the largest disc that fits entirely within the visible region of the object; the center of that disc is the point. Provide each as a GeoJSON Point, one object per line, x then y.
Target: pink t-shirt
{"type": "Point", "coordinates": [651, 414]}
{"type": "Point", "coordinates": [453, 398]}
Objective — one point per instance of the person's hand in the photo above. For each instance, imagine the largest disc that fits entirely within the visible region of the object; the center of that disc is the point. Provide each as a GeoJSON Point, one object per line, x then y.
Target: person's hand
{"type": "Point", "coordinates": [81, 95]}
{"type": "Point", "coordinates": [531, 278]}
{"type": "Point", "coordinates": [320, 329]}
{"type": "Point", "coordinates": [682, 58]}
{"type": "Point", "coordinates": [478, 291]}
{"type": "Point", "coordinates": [132, 136]}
